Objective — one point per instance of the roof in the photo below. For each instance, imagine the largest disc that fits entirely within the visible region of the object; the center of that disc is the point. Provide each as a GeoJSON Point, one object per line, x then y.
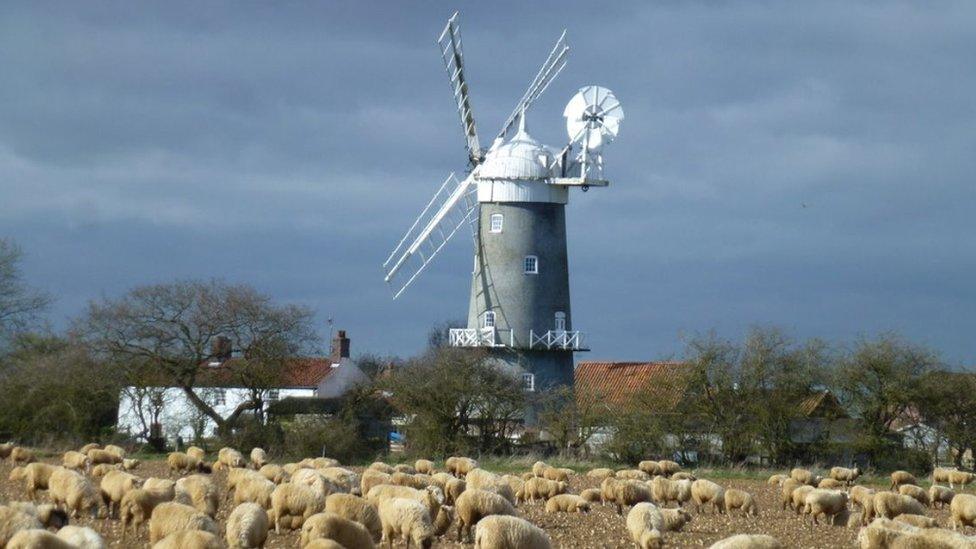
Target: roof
{"type": "Point", "coordinates": [616, 383]}
{"type": "Point", "coordinates": [297, 373]}
{"type": "Point", "coordinates": [521, 158]}
{"type": "Point", "coordinates": [821, 404]}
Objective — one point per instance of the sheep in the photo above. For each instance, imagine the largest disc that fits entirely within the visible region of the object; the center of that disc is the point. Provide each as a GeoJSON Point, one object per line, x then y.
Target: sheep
{"type": "Point", "coordinates": [800, 497]}
{"type": "Point", "coordinates": [786, 491]}
{"type": "Point", "coordinates": [645, 524]}
{"type": "Point", "coordinates": [99, 471]}
{"type": "Point", "coordinates": [459, 466]}
{"type": "Point", "coordinates": [315, 479]}
{"type": "Point", "coordinates": [236, 477]}
{"type": "Point", "coordinates": [902, 477]}
{"type": "Point", "coordinates": [443, 520]}
{"type": "Point", "coordinates": [404, 479]}
{"type": "Point", "coordinates": [864, 498]}
{"type": "Point", "coordinates": [963, 510]}
{"type": "Point", "coordinates": [22, 455]}
{"type": "Point", "coordinates": [600, 473]}
{"type": "Point", "coordinates": [668, 467]}
{"type": "Point", "coordinates": [75, 460]}
{"type": "Point", "coordinates": [664, 491]}
{"type": "Point", "coordinates": [294, 500]}
{"type": "Point", "coordinates": [845, 475]}
{"type": "Point", "coordinates": [591, 495]}
{"type": "Point", "coordinates": [49, 515]}
{"type": "Point", "coordinates": [883, 533]}
{"type": "Point", "coordinates": [137, 505]}
{"type": "Point", "coordinates": [231, 458]}
{"type": "Point", "coordinates": [35, 539]}
{"type": "Point", "coordinates": [254, 490]}
{"type": "Point", "coordinates": [539, 469]}
{"type": "Point", "coordinates": [130, 464]}
{"type": "Point", "coordinates": [113, 486]}
{"type": "Point", "coordinates": [36, 477]}
{"type": "Point", "coordinates": [740, 499]}
{"type": "Point", "coordinates": [941, 474]}
{"type": "Point", "coordinates": [455, 487]}
{"type": "Point", "coordinates": [179, 462]}
{"type": "Point", "coordinates": [247, 526]}
{"type": "Point", "coordinates": [918, 521]}
{"type": "Point", "coordinates": [81, 537]}
{"type": "Point", "coordinates": [5, 449]}
{"type": "Point", "coordinates": [99, 456]}
{"type": "Point", "coordinates": [831, 484]}
{"type": "Point", "coordinates": [382, 467]}
{"type": "Point", "coordinates": [404, 468]}
{"type": "Point", "coordinates": [962, 478]}
{"type": "Point", "coordinates": [540, 488]}
{"type": "Point", "coordinates": [323, 462]}
{"type": "Point", "coordinates": [347, 533]}
{"type": "Point", "coordinates": [322, 543]}
{"type": "Point", "coordinates": [441, 479]}
{"type": "Point", "coordinates": [84, 449]}
{"type": "Point", "coordinates": [684, 475]}
{"type": "Point", "coordinates": [916, 492]}
{"type": "Point", "coordinates": [889, 505]}
{"type": "Point", "coordinates": [625, 493]}
{"type": "Point", "coordinates": [675, 519]}
{"type": "Point", "coordinates": [200, 492]}
{"type": "Point", "coordinates": [431, 496]}
{"type": "Point", "coordinates": [259, 458]}
{"type": "Point", "coordinates": [425, 466]}
{"type": "Point", "coordinates": [479, 479]}
{"type": "Point", "coordinates": [940, 495]}
{"type": "Point", "coordinates": [196, 452]}
{"type": "Point", "coordinates": [116, 450]}
{"type": "Point", "coordinates": [274, 473]}
{"type": "Point", "coordinates": [514, 482]}
{"type": "Point", "coordinates": [357, 509]}
{"type": "Point", "coordinates": [748, 541]}
{"type": "Point", "coordinates": [829, 503]}
{"type": "Point", "coordinates": [567, 503]}
{"type": "Point", "coordinates": [371, 478]}
{"type": "Point", "coordinates": [473, 505]}
{"type": "Point", "coordinates": [650, 467]}
{"type": "Point", "coordinates": [705, 492]}
{"type": "Point", "coordinates": [74, 492]}
{"type": "Point", "coordinates": [172, 517]}
{"type": "Point", "coordinates": [804, 476]}
{"type": "Point", "coordinates": [408, 520]}
{"type": "Point", "coordinates": [505, 532]}
{"type": "Point", "coordinates": [632, 474]}
{"type": "Point", "coordinates": [13, 521]}
{"type": "Point", "coordinates": [558, 474]}
{"type": "Point", "coordinates": [777, 480]}
{"type": "Point", "coordinates": [348, 480]}
{"type": "Point", "coordinates": [190, 539]}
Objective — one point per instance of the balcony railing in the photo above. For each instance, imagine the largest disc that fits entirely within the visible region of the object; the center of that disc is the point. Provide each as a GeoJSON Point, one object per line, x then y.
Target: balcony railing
{"type": "Point", "coordinates": [557, 339]}
{"type": "Point", "coordinates": [478, 337]}
{"type": "Point", "coordinates": [493, 337]}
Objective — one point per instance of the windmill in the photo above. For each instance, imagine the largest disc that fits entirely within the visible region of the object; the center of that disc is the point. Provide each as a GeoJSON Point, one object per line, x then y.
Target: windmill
{"type": "Point", "coordinates": [513, 200]}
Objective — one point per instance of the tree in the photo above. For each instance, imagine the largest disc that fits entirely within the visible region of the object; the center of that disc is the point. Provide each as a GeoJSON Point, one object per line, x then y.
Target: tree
{"type": "Point", "coordinates": [20, 305]}
{"type": "Point", "coordinates": [171, 333]}
{"type": "Point", "coordinates": [439, 335]}
{"type": "Point", "coordinates": [570, 422]}
{"type": "Point", "coordinates": [946, 405]}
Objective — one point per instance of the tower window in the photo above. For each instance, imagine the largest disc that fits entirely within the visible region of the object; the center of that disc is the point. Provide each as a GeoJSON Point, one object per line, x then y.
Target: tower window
{"type": "Point", "coordinates": [273, 395]}
{"type": "Point", "coordinates": [497, 221]}
{"type": "Point", "coordinates": [528, 382]}
{"type": "Point", "coordinates": [531, 264]}
{"type": "Point", "coordinates": [560, 321]}
{"type": "Point", "coordinates": [489, 319]}
{"type": "Point", "coordinates": [220, 397]}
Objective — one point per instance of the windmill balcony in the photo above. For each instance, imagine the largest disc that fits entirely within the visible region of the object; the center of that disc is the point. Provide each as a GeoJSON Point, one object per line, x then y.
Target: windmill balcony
{"type": "Point", "coordinates": [551, 340]}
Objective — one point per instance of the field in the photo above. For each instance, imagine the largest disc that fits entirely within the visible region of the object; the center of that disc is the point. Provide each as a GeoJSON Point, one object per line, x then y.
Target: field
{"type": "Point", "coordinates": [600, 528]}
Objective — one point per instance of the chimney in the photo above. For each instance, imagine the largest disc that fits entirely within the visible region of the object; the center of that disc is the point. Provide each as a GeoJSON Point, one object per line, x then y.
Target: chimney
{"type": "Point", "coordinates": [220, 349]}
{"type": "Point", "coordinates": [340, 346]}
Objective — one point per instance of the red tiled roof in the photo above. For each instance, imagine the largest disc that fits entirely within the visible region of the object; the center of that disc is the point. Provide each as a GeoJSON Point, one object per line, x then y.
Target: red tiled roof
{"type": "Point", "coordinates": [297, 373]}
{"type": "Point", "coordinates": [616, 383]}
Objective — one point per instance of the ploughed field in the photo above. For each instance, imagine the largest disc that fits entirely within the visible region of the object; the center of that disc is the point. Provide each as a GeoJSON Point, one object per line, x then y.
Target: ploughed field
{"type": "Point", "coordinates": [602, 527]}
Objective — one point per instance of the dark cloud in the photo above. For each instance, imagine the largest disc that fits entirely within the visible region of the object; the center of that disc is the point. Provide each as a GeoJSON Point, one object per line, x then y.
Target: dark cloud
{"type": "Point", "coordinates": [795, 164]}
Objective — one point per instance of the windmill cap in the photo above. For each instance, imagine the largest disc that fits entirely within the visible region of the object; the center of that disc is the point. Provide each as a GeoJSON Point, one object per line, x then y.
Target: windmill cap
{"type": "Point", "coordinates": [522, 157]}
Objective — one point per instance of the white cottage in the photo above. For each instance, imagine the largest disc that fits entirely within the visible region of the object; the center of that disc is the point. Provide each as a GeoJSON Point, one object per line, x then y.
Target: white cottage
{"type": "Point", "coordinates": [167, 411]}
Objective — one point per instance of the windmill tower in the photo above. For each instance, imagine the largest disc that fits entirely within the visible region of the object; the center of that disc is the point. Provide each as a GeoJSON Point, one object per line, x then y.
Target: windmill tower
{"type": "Point", "coordinates": [513, 199]}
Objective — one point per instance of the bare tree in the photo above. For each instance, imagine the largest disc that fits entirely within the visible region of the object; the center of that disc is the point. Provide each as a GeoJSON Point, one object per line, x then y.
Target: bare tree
{"type": "Point", "coordinates": [20, 305]}
{"type": "Point", "coordinates": [172, 331]}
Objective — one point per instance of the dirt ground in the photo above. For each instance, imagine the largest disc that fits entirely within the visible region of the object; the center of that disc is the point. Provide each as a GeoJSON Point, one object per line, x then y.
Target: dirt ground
{"type": "Point", "coordinates": [600, 528]}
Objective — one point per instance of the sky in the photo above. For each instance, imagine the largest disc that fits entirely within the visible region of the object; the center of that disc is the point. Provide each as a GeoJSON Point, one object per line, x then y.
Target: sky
{"type": "Point", "coordinates": [802, 165]}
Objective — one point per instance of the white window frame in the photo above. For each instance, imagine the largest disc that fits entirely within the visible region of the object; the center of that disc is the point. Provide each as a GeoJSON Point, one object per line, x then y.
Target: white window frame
{"type": "Point", "coordinates": [488, 319]}
{"type": "Point", "coordinates": [492, 225]}
{"type": "Point", "coordinates": [534, 261]}
{"type": "Point", "coordinates": [220, 397]}
{"type": "Point", "coordinates": [528, 382]}
{"type": "Point", "coordinates": [560, 321]}
{"type": "Point", "coordinates": [273, 395]}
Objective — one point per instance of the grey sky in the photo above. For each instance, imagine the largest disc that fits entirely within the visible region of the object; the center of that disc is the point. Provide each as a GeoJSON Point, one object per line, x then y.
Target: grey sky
{"type": "Point", "coordinates": [807, 165]}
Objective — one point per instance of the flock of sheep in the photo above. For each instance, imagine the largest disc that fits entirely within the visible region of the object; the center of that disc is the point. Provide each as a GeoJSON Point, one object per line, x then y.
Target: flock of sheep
{"type": "Point", "coordinates": [335, 507]}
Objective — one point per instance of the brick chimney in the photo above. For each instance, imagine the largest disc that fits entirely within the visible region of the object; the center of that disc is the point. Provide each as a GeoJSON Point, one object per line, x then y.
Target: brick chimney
{"type": "Point", "coordinates": [340, 347]}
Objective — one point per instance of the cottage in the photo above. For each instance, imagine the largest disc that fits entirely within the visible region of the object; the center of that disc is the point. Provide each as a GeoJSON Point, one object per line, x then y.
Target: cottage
{"type": "Point", "coordinates": [166, 412]}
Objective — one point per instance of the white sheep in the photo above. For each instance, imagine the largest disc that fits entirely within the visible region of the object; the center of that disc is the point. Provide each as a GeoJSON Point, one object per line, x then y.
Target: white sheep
{"type": "Point", "coordinates": [372, 477]}
{"type": "Point", "coordinates": [231, 458]}
{"type": "Point", "coordinates": [425, 466]}
{"type": "Point", "coordinates": [381, 467]}
{"type": "Point", "coordinates": [348, 480]}
{"type": "Point", "coordinates": [179, 462]}
{"type": "Point", "coordinates": [13, 521]}
{"type": "Point", "coordinates": [113, 486]}
{"type": "Point", "coordinates": [864, 498]}
{"type": "Point", "coordinates": [540, 488]}
{"type": "Point", "coordinates": [137, 505]}
{"type": "Point", "coordinates": [459, 466]}
{"type": "Point", "coordinates": [883, 533]}
{"type": "Point", "coordinates": [650, 467]}
{"type": "Point", "coordinates": [130, 464]}
{"type": "Point", "coordinates": [273, 472]}
{"type": "Point", "coordinates": [81, 537]}
{"type": "Point", "coordinates": [567, 503]}
{"type": "Point", "coordinates": [408, 520]}
{"type": "Point", "coordinates": [559, 474]}
{"type": "Point", "coordinates": [829, 503]}
{"type": "Point", "coordinates": [748, 541]}
{"type": "Point", "coordinates": [664, 491]}
{"type": "Point", "coordinates": [73, 492]}
{"type": "Point", "coordinates": [777, 480]}
{"type": "Point", "coordinates": [507, 532]}
{"type": "Point", "coordinates": [961, 478]}
{"type": "Point", "coordinates": [675, 519]}
{"type": "Point", "coordinates": [100, 456]}
{"type": "Point", "coordinates": [247, 526]}
{"type": "Point", "coordinates": [668, 467]}
{"type": "Point", "coordinates": [358, 509]}
{"type": "Point", "coordinates": [259, 458]}
{"type": "Point", "coordinates": [804, 476]}
{"type": "Point", "coordinates": [889, 505]}
{"type": "Point", "coordinates": [474, 505]}
{"type": "Point", "coordinates": [19, 454]}
{"type": "Point", "coordinates": [902, 477]}
{"type": "Point", "coordinates": [254, 490]}
{"type": "Point", "coordinates": [315, 479]}
{"type": "Point", "coordinates": [704, 492]}
{"type": "Point", "coordinates": [800, 497]}
{"type": "Point", "coordinates": [600, 473]}
{"type": "Point", "coordinates": [197, 453]}
{"type": "Point", "coordinates": [49, 515]}
{"type": "Point", "coordinates": [75, 460]}
{"type": "Point", "coordinates": [200, 492]}
{"type": "Point", "coordinates": [940, 495]}
{"type": "Point", "coordinates": [294, 500]}
{"type": "Point", "coordinates": [632, 474]}
{"type": "Point", "coordinates": [36, 539]}
{"type": "Point", "coordinates": [591, 495]}
{"type": "Point", "coordinates": [918, 521]}
{"type": "Point", "coordinates": [170, 517]}
{"type": "Point", "coordinates": [916, 492]}
{"type": "Point", "coordinates": [455, 487]}
{"type": "Point", "coordinates": [36, 477]}
{"type": "Point", "coordinates": [539, 469]}
{"type": "Point", "coordinates": [189, 539]}
{"type": "Point", "coordinates": [431, 496]}
{"type": "Point", "coordinates": [845, 475]}
{"type": "Point", "coordinates": [645, 524]}
{"type": "Point", "coordinates": [322, 543]}
{"type": "Point", "coordinates": [740, 499]}
{"type": "Point", "coordinates": [348, 533]}
{"type": "Point", "coordinates": [831, 484]}
{"type": "Point", "coordinates": [963, 510]}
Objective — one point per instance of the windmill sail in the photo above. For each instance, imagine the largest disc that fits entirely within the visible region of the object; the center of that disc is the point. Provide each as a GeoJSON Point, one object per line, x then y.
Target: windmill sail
{"type": "Point", "coordinates": [454, 205]}
{"type": "Point", "coordinates": [547, 73]}
{"type": "Point", "coordinates": [450, 46]}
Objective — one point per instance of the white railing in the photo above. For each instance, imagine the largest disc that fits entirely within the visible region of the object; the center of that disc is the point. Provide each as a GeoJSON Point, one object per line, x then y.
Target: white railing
{"type": "Point", "coordinates": [478, 337]}
{"type": "Point", "coordinates": [557, 339]}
